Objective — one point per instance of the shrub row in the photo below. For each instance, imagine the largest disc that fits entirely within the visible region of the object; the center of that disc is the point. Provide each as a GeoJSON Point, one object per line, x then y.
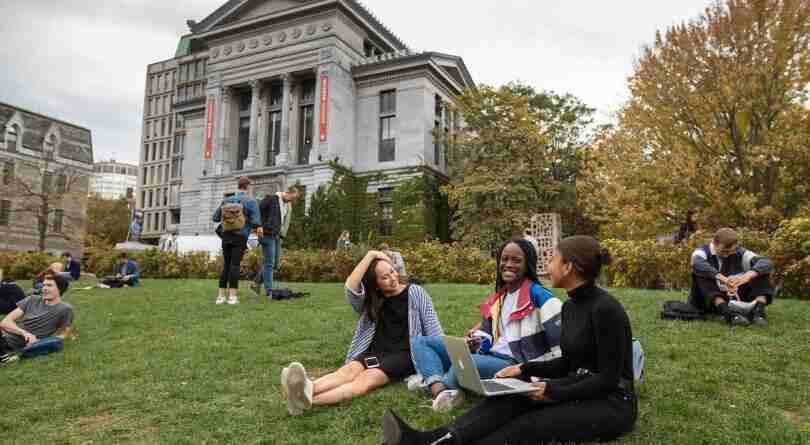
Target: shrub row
{"type": "Point", "coordinates": [636, 264]}
{"type": "Point", "coordinates": [650, 265]}
{"type": "Point", "coordinates": [431, 262]}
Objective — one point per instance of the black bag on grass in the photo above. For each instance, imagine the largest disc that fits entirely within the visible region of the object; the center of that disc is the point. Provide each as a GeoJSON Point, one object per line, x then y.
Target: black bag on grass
{"type": "Point", "coordinates": [287, 294]}
{"type": "Point", "coordinates": [678, 310]}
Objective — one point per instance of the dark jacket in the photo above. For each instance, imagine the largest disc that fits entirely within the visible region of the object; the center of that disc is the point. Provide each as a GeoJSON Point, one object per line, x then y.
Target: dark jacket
{"type": "Point", "coordinates": [10, 294]}
{"type": "Point", "coordinates": [74, 269]}
{"type": "Point", "coordinates": [130, 268]}
{"type": "Point", "coordinates": [270, 208]}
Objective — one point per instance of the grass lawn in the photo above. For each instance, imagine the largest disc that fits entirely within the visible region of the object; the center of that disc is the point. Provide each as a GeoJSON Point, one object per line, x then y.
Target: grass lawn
{"type": "Point", "coordinates": [163, 364]}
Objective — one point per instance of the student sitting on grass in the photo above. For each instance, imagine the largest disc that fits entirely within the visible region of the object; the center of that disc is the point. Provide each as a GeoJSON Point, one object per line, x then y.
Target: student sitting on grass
{"type": "Point", "coordinates": [129, 274]}
{"type": "Point", "coordinates": [520, 323]}
{"type": "Point", "coordinates": [585, 395]}
{"type": "Point", "coordinates": [36, 318]}
{"type": "Point", "coordinates": [391, 315]}
{"type": "Point", "coordinates": [723, 272]}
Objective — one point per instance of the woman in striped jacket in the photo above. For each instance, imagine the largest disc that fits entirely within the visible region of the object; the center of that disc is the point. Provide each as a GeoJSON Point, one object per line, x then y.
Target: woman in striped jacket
{"type": "Point", "coordinates": [391, 315]}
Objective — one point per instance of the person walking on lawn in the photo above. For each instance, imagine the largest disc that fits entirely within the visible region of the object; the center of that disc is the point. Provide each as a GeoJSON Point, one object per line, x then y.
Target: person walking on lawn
{"type": "Point", "coordinates": [731, 280]}
{"type": "Point", "coordinates": [276, 211]}
{"type": "Point", "coordinates": [238, 215]}
{"type": "Point", "coordinates": [392, 314]}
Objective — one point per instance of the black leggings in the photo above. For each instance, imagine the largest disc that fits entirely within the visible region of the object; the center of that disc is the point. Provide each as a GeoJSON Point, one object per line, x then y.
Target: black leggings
{"type": "Point", "coordinates": [233, 248]}
{"type": "Point", "coordinates": [517, 420]}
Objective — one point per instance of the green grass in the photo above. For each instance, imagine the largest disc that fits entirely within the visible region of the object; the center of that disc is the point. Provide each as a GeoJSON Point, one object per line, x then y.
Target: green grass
{"type": "Point", "coordinates": [163, 364]}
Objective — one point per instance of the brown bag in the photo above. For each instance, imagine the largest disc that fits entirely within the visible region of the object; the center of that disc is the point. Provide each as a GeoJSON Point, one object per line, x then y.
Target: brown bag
{"type": "Point", "coordinates": [233, 216]}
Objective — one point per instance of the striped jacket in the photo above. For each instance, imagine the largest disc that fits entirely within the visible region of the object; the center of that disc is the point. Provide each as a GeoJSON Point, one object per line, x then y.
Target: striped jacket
{"type": "Point", "coordinates": [422, 319]}
{"type": "Point", "coordinates": [535, 326]}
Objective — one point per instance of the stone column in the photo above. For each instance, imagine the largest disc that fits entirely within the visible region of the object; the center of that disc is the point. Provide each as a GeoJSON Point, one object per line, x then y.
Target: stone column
{"type": "Point", "coordinates": [223, 155]}
{"type": "Point", "coordinates": [283, 157]}
{"type": "Point", "coordinates": [255, 87]}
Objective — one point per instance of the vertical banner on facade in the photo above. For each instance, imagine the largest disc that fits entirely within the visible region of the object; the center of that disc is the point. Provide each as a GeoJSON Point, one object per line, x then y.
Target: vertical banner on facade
{"type": "Point", "coordinates": [324, 109]}
{"type": "Point", "coordinates": [209, 130]}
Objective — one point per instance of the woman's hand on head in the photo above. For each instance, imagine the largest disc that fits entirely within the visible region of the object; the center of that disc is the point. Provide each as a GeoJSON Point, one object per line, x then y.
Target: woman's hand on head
{"type": "Point", "coordinates": [509, 372]}
{"type": "Point", "coordinates": [377, 255]}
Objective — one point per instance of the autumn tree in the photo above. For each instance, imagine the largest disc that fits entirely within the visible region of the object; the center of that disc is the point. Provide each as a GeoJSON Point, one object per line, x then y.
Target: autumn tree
{"type": "Point", "coordinates": [516, 155]}
{"type": "Point", "coordinates": [107, 220]}
{"type": "Point", "coordinates": [53, 195]}
{"type": "Point", "coordinates": [717, 121]}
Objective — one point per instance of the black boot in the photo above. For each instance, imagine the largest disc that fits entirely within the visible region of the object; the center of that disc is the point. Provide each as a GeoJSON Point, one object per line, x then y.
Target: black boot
{"type": "Point", "coordinates": [758, 315]}
{"type": "Point", "coordinates": [397, 432]}
{"type": "Point", "coordinates": [733, 318]}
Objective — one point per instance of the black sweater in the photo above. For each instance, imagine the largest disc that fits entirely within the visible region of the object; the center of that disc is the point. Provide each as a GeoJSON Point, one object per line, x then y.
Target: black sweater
{"type": "Point", "coordinates": [596, 336]}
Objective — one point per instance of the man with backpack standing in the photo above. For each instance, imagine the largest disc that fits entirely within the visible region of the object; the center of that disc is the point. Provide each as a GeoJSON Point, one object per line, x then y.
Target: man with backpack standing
{"type": "Point", "coordinates": [239, 215]}
{"type": "Point", "coordinates": [276, 210]}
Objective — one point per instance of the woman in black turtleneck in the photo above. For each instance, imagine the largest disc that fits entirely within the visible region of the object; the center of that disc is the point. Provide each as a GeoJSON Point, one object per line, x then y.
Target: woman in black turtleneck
{"type": "Point", "coordinates": [585, 395]}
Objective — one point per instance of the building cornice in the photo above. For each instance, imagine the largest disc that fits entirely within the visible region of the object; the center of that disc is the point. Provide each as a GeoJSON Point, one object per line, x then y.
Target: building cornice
{"type": "Point", "coordinates": [212, 25]}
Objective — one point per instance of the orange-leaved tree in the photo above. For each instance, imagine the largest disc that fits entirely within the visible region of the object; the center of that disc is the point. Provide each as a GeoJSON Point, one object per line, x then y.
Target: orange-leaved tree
{"type": "Point", "coordinates": [717, 121]}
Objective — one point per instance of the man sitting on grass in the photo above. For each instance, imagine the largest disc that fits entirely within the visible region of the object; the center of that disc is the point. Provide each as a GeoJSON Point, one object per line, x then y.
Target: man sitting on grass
{"type": "Point", "coordinates": [36, 318]}
{"type": "Point", "coordinates": [129, 274]}
{"type": "Point", "coordinates": [731, 280]}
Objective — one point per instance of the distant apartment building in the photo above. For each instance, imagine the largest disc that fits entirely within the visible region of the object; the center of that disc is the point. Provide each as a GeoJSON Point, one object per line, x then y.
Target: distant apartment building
{"type": "Point", "coordinates": [47, 165]}
{"type": "Point", "coordinates": [114, 180]}
{"type": "Point", "coordinates": [276, 90]}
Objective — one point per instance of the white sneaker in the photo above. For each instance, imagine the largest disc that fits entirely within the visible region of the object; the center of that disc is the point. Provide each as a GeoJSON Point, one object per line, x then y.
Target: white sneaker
{"type": "Point", "coordinates": [233, 300]}
{"type": "Point", "coordinates": [415, 382]}
{"type": "Point", "coordinates": [296, 387]}
{"type": "Point", "coordinates": [220, 300]}
{"type": "Point", "coordinates": [448, 400]}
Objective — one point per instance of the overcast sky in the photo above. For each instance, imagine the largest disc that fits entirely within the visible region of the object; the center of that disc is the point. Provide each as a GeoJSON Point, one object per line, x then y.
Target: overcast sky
{"type": "Point", "coordinates": [84, 61]}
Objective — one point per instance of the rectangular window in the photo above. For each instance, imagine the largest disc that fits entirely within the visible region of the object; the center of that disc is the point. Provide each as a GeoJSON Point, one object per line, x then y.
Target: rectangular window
{"type": "Point", "coordinates": [46, 182]}
{"type": "Point", "coordinates": [388, 120]}
{"type": "Point", "coordinates": [160, 151]}
{"type": "Point", "coordinates": [152, 174]}
{"type": "Point", "coordinates": [386, 199]}
{"type": "Point", "coordinates": [437, 126]}
{"type": "Point", "coordinates": [274, 138]}
{"type": "Point", "coordinates": [61, 184]}
{"type": "Point", "coordinates": [58, 214]}
{"type": "Point", "coordinates": [387, 139]}
{"type": "Point", "coordinates": [244, 140]}
{"type": "Point", "coordinates": [151, 198]}
{"type": "Point", "coordinates": [145, 175]}
{"type": "Point", "coordinates": [307, 130]}
{"type": "Point", "coordinates": [388, 102]}
{"type": "Point", "coordinates": [5, 212]}
{"type": "Point", "coordinates": [166, 173]}
{"type": "Point", "coordinates": [8, 172]}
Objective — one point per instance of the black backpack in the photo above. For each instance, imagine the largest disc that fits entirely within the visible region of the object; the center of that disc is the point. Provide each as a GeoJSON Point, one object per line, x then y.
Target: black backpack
{"type": "Point", "coordinates": [678, 310]}
{"type": "Point", "coordinates": [287, 294]}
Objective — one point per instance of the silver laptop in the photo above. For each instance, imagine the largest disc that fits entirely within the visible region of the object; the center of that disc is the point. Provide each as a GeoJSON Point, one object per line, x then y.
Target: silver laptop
{"type": "Point", "coordinates": [468, 376]}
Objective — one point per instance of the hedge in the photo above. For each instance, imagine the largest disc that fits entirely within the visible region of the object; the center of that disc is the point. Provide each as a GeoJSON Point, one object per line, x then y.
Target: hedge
{"type": "Point", "coordinates": [648, 264]}
{"type": "Point", "coordinates": [636, 264]}
{"type": "Point", "coordinates": [432, 262]}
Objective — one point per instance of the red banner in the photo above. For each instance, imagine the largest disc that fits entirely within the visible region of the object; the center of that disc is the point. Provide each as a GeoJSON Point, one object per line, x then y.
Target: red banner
{"type": "Point", "coordinates": [209, 130]}
{"type": "Point", "coordinates": [324, 106]}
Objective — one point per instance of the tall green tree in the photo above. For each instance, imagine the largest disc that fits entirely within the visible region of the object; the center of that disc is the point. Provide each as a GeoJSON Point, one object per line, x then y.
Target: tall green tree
{"type": "Point", "coordinates": [107, 220]}
{"type": "Point", "coordinates": [717, 121]}
{"type": "Point", "coordinates": [518, 154]}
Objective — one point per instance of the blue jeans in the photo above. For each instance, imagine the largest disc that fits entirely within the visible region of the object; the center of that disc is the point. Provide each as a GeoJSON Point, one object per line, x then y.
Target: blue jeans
{"type": "Point", "coordinates": [433, 362]}
{"type": "Point", "coordinates": [271, 247]}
